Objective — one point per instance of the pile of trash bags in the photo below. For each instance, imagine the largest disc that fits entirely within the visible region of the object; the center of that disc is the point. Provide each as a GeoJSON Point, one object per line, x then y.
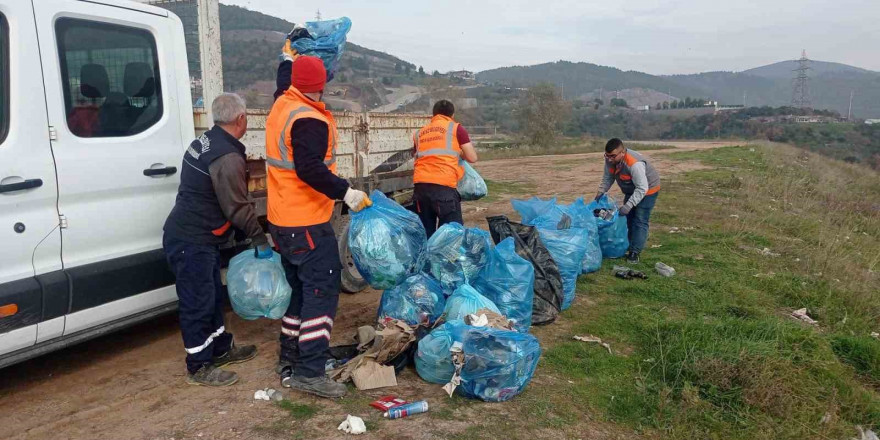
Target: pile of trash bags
{"type": "Point", "coordinates": [466, 301]}
{"type": "Point", "coordinates": [471, 186]}
{"type": "Point", "coordinates": [457, 254]}
{"type": "Point", "coordinates": [418, 300]}
{"type": "Point", "coordinates": [257, 286]}
{"type": "Point", "coordinates": [547, 287]}
{"type": "Point", "coordinates": [493, 365]}
{"type": "Point", "coordinates": [508, 280]}
{"type": "Point", "coordinates": [323, 39]}
{"type": "Point", "coordinates": [388, 243]}
{"type": "Point", "coordinates": [613, 232]}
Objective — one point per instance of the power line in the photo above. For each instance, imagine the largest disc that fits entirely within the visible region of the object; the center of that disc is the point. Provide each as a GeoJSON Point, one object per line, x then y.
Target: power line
{"type": "Point", "coordinates": [800, 90]}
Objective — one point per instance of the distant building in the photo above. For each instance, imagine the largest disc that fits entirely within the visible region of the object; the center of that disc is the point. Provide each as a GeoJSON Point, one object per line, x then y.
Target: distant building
{"type": "Point", "coordinates": [643, 108]}
{"type": "Point", "coordinates": [463, 74]}
{"type": "Point", "coordinates": [872, 121]}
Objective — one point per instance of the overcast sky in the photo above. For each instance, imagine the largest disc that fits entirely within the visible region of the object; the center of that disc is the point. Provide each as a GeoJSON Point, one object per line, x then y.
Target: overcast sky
{"type": "Point", "coordinates": [653, 36]}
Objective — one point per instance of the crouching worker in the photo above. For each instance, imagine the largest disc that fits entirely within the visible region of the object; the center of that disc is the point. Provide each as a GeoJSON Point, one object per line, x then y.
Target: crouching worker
{"type": "Point", "coordinates": [211, 200]}
{"type": "Point", "coordinates": [301, 142]}
{"type": "Point", "coordinates": [640, 184]}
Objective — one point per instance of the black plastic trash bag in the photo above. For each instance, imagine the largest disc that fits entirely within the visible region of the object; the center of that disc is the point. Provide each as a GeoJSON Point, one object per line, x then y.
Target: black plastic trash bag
{"type": "Point", "coordinates": [548, 281]}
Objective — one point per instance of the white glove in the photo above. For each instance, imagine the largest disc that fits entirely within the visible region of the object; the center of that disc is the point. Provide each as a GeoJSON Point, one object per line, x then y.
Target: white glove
{"type": "Point", "coordinates": [356, 200]}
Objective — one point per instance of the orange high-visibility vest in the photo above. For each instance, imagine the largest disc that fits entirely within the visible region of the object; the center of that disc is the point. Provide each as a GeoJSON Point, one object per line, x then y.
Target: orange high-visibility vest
{"type": "Point", "coordinates": [438, 153]}
{"type": "Point", "coordinates": [291, 202]}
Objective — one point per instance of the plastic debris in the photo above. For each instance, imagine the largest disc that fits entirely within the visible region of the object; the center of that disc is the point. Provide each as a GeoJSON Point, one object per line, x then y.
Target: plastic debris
{"type": "Point", "coordinates": [865, 434]}
{"type": "Point", "coordinates": [325, 40]}
{"type": "Point", "coordinates": [508, 281]}
{"type": "Point", "coordinates": [656, 246]}
{"type": "Point", "coordinates": [267, 394]}
{"type": "Point", "coordinates": [664, 270]}
{"type": "Point", "coordinates": [457, 254]}
{"type": "Point", "coordinates": [471, 186]}
{"type": "Point", "coordinates": [626, 273]}
{"type": "Point", "coordinates": [407, 410]}
{"type": "Point", "coordinates": [387, 242]}
{"type": "Point", "coordinates": [548, 297]}
{"type": "Point", "coordinates": [595, 340]}
{"type": "Point", "coordinates": [432, 359]}
{"type": "Point", "coordinates": [387, 402]}
{"type": "Point", "coordinates": [465, 301]}
{"type": "Point", "coordinates": [802, 315]}
{"type": "Point", "coordinates": [875, 335]}
{"type": "Point", "coordinates": [257, 287]}
{"type": "Point", "coordinates": [613, 232]}
{"type": "Point", "coordinates": [418, 298]}
{"type": "Point", "coordinates": [352, 425]}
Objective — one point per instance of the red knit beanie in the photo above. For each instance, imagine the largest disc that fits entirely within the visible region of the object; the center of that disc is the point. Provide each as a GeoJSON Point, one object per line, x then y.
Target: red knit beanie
{"type": "Point", "coordinates": [308, 74]}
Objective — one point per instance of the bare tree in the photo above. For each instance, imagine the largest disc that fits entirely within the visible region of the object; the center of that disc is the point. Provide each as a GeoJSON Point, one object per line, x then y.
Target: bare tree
{"type": "Point", "coordinates": [541, 113]}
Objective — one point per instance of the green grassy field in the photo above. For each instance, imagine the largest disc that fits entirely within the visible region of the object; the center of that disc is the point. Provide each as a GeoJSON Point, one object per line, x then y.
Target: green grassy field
{"type": "Point", "coordinates": [564, 146]}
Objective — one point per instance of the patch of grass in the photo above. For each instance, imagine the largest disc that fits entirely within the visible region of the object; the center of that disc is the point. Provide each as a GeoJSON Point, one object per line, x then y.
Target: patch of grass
{"type": "Point", "coordinates": [299, 411]}
{"type": "Point", "coordinates": [497, 189]}
{"type": "Point", "coordinates": [862, 352]}
{"type": "Point", "coordinates": [563, 147]}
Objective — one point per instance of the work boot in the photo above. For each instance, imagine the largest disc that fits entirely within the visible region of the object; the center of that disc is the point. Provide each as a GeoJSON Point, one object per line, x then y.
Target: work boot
{"type": "Point", "coordinates": [284, 370]}
{"type": "Point", "coordinates": [212, 376]}
{"type": "Point", "coordinates": [632, 257]}
{"type": "Point", "coordinates": [320, 386]}
{"type": "Point", "coordinates": [279, 368]}
{"type": "Point", "coordinates": [236, 355]}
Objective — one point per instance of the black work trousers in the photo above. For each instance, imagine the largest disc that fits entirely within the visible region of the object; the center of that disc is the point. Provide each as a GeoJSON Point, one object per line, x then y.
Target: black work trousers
{"type": "Point", "coordinates": [436, 206]}
{"type": "Point", "coordinates": [310, 256]}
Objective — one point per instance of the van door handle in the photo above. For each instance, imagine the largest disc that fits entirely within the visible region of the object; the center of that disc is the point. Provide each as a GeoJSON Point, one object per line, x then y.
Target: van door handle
{"type": "Point", "coordinates": [18, 186]}
{"type": "Point", "coordinates": [167, 171]}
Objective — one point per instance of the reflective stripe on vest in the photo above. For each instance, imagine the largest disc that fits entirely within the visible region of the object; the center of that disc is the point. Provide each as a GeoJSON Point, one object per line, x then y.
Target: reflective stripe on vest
{"type": "Point", "coordinates": [282, 146]}
{"type": "Point", "coordinates": [439, 151]}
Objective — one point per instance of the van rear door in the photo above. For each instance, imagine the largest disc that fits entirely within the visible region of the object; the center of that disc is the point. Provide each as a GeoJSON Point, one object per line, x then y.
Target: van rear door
{"type": "Point", "coordinates": [113, 99]}
{"type": "Point", "coordinates": [30, 239]}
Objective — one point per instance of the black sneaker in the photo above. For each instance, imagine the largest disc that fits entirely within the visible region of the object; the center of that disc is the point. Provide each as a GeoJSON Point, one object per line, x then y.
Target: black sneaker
{"type": "Point", "coordinates": [236, 355]}
{"type": "Point", "coordinates": [632, 257]}
{"type": "Point", "coordinates": [321, 386]}
{"type": "Point", "coordinates": [286, 372]}
{"type": "Point", "coordinates": [279, 368]}
{"type": "Point", "coordinates": [210, 375]}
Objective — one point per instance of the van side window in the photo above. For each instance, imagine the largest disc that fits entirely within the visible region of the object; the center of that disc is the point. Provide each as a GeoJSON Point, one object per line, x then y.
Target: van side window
{"type": "Point", "coordinates": [110, 75]}
{"type": "Point", "coordinates": [4, 78]}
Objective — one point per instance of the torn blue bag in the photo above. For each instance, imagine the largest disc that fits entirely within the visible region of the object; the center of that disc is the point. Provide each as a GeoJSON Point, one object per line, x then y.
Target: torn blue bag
{"type": "Point", "coordinates": [471, 186]}
{"type": "Point", "coordinates": [257, 287]}
{"type": "Point", "coordinates": [532, 208]}
{"type": "Point", "coordinates": [457, 254]}
{"type": "Point", "coordinates": [433, 359]}
{"type": "Point", "coordinates": [466, 301]}
{"type": "Point", "coordinates": [613, 233]}
{"type": "Point", "coordinates": [508, 281]}
{"type": "Point", "coordinates": [327, 42]}
{"type": "Point", "coordinates": [387, 242]}
{"type": "Point", "coordinates": [419, 299]}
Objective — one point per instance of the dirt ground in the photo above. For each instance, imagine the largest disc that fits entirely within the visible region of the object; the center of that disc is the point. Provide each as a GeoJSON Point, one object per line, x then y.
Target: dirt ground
{"type": "Point", "coordinates": [131, 384]}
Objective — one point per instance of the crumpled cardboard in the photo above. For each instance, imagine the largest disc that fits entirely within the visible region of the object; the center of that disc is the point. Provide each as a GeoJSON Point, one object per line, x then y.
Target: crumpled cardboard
{"type": "Point", "coordinates": [393, 338]}
{"type": "Point", "coordinates": [493, 320]}
{"type": "Point", "coordinates": [370, 375]}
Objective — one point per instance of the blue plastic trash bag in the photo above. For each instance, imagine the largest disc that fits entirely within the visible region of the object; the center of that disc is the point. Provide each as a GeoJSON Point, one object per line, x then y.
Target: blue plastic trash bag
{"type": "Point", "coordinates": [326, 40]}
{"type": "Point", "coordinates": [498, 364]}
{"type": "Point", "coordinates": [419, 299]}
{"type": "Point", "coordinates": [613, 233]}
{"type": "Point", "coordinates": [471, 186]}
{"type": "Point", "coordinates": [465, 301]}
{"type": "Point", "coordinates": [532, 208]}
{"type": "Point", "coordinates": [508, 281]}
{"type": "Point", "coordinates": [456, 254]}
{"type": "Point", "coordinates": [387, 242]}
{"type": "Point", "coordinates": [257, 287]}
{"type": "Point", "coordinates": [567, 247]}
{"type": "Point", "coordinates": [433, 360]}
{"type": "Point", "coordinates": [582, 217]}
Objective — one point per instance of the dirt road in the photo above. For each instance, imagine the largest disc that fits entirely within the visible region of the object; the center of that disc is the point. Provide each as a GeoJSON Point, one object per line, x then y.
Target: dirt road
{"type": "Point", "coordinates": [130, 385]}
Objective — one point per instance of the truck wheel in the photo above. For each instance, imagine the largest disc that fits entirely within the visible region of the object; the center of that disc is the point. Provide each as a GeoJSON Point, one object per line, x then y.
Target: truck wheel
{"type": "Point", "coordinates": [352, 281]}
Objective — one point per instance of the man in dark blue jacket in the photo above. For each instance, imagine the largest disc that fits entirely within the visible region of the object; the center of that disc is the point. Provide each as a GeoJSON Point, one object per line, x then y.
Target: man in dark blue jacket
{"type": "Point", "coordinates": [211, 200]}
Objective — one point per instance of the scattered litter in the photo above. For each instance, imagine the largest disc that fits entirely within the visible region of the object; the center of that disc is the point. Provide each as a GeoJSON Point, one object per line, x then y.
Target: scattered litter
{"type": "Point", "coordinates": [488, 318]}
{"type": "Point", "coordinates": [825, 419]}
{"type": "Point", "coordinates": [734, 216]}
{"type": "Point", "coordinates": [797, 260]}
{"type": "Point", "coordinates": [674, 231]}
{"type": "Point", "coordinates": [626, 273]}
{"type": "Point", "coordinates": [768, 253]}
{"type": "Point", "coordinates": [875, 335]}
{"type": "Point", "coordinates": [691, 282]}
{"type": "Point", "coordinates": [387, 402]}
{"type": "Point", "coordinates": [664, 270]}
{"type": "Point", "coordinates": [379, 347]}
{"type": "Point", "coordinates": [370, 375]}
{"type": "Point", "coordinates": [689, 228]}
{"type": "Point", "coordinates": [353, 425]}
{"type": "Point", "coordinates": [764, 275]}
{"type": "Point", "coordinates": [699, 257]}
{"type": "Point", "coordinates": [407, 410]}
{"type": "Point", "coordinates": [263, 394]}
{"type": "Point", "coordinates": [752, 150]}
{"type": "Point", "coordinates": [571, 382]}
{"type": "Point", "coordinates": [803, 316]}
{"type": "Point", "coordinates": [656, 246]}
{"type": "Point", "coordinates": [865, 435]}
{"type": "Point", "coordinates": [594, 339]}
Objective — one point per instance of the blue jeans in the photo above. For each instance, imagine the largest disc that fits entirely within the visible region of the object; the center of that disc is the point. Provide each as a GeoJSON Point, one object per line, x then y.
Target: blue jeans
{"type": "Point", "coordinates": [638, 221]}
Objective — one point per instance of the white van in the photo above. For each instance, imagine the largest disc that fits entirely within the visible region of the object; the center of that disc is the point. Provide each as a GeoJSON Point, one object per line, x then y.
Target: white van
{"type": "Point", "coordinates": [95, 113]}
